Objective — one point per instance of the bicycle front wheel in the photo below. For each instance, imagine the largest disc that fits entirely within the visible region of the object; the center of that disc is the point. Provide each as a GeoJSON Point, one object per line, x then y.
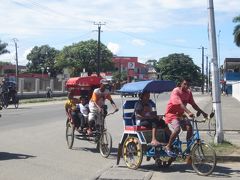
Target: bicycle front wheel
{"type": "Point", "coordinates": [132, 152]}
{"type": "Point", "coordinates": [203, 159]}
{"type": "Point", "coordinates": [70, 134]}
{"type": "Point", "coordinates": [105, 144]}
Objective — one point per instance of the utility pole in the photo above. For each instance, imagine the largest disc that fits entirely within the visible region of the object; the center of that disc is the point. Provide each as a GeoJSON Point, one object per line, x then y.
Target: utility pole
{"type": "Point", "coordinates": [219, 63]}
{"type": "Point", "coordinates": [207, 85]}
{"type": "Point", "coordinates": [219, 138]}
{"type": "Point", "coordinates": [16, 58]}
{"type": "Point", "coordinates": [203, 79]}
{"type": "Point", "coordinates": [99, 24]}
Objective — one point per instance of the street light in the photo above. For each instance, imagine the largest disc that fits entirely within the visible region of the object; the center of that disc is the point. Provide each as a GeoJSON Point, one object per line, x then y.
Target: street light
{"type": "Point", "coordinates": [42, 69]}
{"type": "Point", "coordinates": [49, 73]}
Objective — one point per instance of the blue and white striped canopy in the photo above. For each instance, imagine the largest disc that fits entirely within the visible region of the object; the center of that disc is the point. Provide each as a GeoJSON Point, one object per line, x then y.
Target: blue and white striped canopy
{"type": "Point", "coordinates": [151, 86]}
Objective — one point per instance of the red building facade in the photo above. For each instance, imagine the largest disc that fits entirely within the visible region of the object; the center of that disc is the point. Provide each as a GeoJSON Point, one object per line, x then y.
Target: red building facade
{"type": "Point", "coordinates": [130, 65]}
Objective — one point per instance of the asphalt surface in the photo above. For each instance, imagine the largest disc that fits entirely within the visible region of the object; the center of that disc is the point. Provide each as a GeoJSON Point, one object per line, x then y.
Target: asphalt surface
{"type": "Point", "coordinates": [228, 165]}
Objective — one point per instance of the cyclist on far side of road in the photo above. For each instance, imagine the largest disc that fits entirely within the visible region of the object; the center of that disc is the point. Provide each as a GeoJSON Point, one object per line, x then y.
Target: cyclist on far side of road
{"type": "Point", "coordinates": [176, 107]}
{"type": "Point", "coordinates": [96, 103]}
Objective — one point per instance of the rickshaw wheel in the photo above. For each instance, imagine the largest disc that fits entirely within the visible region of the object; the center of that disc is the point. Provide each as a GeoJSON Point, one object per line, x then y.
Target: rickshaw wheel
{"type": "Point", "coordinates": [70, 134]}
{"type": "Point", "coordinates": [4, 103]}
{"type": "Point", "coordinates": [105, 144]}
{"type": "Point", "coordinates": [132, 152]}
{"type": "Point", "coordinates": [164, 163]}
{"type": "Point", "coordinates": [16, 102]}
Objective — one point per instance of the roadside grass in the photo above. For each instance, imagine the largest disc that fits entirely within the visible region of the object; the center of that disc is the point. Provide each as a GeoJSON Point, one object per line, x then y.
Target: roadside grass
{"type": "Point", "coordinates": [37, 100]}
{"type": "Point", "coordinates": [225, 148]}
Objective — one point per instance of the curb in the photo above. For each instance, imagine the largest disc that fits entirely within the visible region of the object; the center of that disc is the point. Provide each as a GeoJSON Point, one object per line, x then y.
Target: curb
{"type": "Point", "coordinates": [224, 159]}
{"type": "Point", "coordinates": [100, 172]}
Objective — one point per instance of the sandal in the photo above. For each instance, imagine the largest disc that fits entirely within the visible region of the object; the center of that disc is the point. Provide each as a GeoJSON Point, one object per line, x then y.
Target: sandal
{"type": "Point", "coordinates": [170, 153]}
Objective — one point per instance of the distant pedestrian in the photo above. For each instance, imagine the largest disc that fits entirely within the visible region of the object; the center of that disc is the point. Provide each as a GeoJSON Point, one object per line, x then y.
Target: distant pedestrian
{"type": "Point", "coordinates": [49, 92]}
{"type": "Point", "coordinates": [226, 90]}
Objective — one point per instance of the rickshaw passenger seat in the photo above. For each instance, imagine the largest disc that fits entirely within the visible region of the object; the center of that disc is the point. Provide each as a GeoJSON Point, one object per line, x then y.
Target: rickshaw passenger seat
{"type": "Point", "coordinates": [129, 117]}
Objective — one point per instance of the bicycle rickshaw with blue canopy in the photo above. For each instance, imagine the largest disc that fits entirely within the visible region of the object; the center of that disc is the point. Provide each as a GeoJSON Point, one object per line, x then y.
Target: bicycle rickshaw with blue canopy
{"type": "Point", "coordinates": [135, 141]}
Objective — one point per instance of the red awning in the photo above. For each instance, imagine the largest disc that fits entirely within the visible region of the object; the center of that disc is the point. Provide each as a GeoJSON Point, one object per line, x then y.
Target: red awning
{"type": "Point", "coordinates": [88, 81]}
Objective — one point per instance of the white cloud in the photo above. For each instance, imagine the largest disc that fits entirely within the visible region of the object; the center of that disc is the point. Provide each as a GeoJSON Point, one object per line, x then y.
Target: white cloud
{"type": "Point", "coordinates": [22, 17]}
{"type": "Point", "coordinates": [113, 47]}
{"type": "Point", "coordinates": [23, 58]}
{"type": "Point", "coordinates": [138, 42]}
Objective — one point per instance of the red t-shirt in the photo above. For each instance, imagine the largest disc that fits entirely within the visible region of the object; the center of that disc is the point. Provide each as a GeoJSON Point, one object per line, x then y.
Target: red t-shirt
{"type": "Point", "coordinates": [174, 109]}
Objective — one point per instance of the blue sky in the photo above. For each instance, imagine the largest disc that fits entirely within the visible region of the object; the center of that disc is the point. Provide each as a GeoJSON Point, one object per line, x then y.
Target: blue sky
{"type": "Point", "coordinates": [148, 29]}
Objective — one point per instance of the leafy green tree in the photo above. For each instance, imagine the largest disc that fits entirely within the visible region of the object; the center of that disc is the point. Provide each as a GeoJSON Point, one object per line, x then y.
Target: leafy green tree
{"type": "Point", "coordinates": [42, 58]}
{"type": "Point", "coordinates": [153, 63]}
{"type": "Point", "coordinates": [236, 31]}
{"type": "Point", "coordinates": [119, 77]}
{"type": "Point", "coordinates": [2, 63]}
{"type": "Point", "coordinates": [3, 49]}
{"type": "Point", "coordinates": [83, 55]}
{"type": "Point", "coordinates": [177, 66]}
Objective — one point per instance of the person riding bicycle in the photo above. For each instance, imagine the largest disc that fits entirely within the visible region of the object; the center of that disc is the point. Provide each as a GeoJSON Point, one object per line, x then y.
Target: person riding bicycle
{"type": "Point", "coordinates": [145, 116]}
{"type": "Point", "coordinates": [176, 107]}
{"type": "Point", "coordinates": [96, 104]}
{"type": "Point", "coordinates": [5, 91]}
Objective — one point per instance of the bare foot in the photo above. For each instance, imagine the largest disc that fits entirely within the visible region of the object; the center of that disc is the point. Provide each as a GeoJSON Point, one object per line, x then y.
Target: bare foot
{"type": "Point", "coordinates": [155, 142]}
{"type": "Point", "coordinates": [89, 132]}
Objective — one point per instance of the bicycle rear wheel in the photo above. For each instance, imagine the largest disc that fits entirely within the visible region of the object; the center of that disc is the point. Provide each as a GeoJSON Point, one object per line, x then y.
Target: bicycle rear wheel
{"type": "Point", "coordinates": [203, 159]}
{"type": "Point", "coordinates": [105, 144]}
{"type": "Point", "coordinates": [70, 134]}
{"type": "Point", "coordinates": [4, 101]}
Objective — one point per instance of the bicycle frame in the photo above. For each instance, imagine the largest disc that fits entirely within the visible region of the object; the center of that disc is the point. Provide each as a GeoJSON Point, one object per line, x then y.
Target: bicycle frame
{"type": "Point", "coordinates": [194, 139]}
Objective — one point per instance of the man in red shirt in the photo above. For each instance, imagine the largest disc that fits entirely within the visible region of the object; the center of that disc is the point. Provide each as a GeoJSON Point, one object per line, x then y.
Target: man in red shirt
{"type": "Point", "coordinates": [177, 106]}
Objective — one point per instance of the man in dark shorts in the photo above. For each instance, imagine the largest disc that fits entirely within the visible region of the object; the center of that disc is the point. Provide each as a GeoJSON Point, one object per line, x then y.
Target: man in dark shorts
{"type": "Point", "coordinates": [145, 116]}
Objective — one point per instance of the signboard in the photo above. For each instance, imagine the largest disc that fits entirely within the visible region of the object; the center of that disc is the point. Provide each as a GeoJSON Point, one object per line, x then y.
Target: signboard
{"type": "Point", "coordinates": [131, 65]}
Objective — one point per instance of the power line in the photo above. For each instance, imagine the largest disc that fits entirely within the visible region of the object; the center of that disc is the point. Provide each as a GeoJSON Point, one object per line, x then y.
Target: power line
{"type": "Point", "coordinates": [30, 4]}
{"type": "Point", "coordinates": [154, 41]}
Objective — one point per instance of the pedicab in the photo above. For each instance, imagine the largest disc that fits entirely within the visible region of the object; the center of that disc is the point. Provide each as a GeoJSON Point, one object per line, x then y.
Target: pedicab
{"type": "Point", "coordinates": [84, 86]}
{"type": "Point", "coordinates": [9, 95]}
{"type": "Point", "coordinates": [135, 141]}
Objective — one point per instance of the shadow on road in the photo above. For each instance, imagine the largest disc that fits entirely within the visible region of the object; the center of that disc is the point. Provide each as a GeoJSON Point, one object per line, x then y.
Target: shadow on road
{"type": "Point", "coordinates": [219, 171]}
{"type": "Point", "coordinates": [19, 108]}
{"type": "Point", "coordinates": [9, 156]}
{"type": "Point", "coordinates": [113, 153]}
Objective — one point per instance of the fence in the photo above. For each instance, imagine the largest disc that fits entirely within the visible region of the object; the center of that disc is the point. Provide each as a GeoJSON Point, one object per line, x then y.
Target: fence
{"type": "Point", "coordinates": [38, 86]}
{"type": "Point", "coordinates": [236, 90]}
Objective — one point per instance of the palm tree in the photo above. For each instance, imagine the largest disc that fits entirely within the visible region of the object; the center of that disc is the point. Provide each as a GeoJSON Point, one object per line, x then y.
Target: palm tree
{"type": "Point", "coordinates": [236, 31]}
{"type": "Point", "coordinates": [3, 49]}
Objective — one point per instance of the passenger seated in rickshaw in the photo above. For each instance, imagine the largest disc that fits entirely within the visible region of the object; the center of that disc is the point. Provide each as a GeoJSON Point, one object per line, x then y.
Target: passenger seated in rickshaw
{"type": "Point", "coordinates": [145, 116]}
{"type": "Point", "coordinates": [71, 109]}
{"type": "Point", "coordinates": [83, 107]}
{"type": "Point", "coordinates": [97, 103]}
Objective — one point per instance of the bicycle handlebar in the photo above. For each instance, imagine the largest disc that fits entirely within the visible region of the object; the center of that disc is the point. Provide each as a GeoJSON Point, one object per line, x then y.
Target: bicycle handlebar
{"type": "Point", "coordinates": [116, 110]}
